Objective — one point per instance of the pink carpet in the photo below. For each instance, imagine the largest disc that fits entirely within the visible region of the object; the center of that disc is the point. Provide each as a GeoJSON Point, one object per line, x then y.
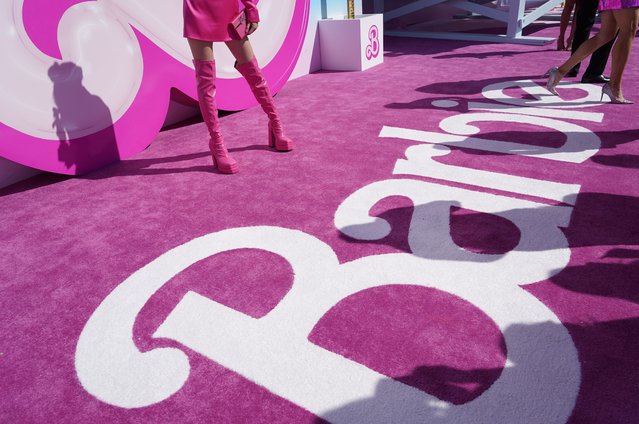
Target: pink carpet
{"type": "Point", "coordinates": [476, 297]}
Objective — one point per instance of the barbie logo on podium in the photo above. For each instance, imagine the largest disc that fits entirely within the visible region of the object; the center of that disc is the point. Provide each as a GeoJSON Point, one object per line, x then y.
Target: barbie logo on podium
{"type": "Point", "coordinates": [352, 44]}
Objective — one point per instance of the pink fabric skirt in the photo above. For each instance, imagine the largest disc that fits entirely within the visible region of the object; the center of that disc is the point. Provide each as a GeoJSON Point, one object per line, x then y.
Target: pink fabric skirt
{"type": "Point", "coordinates": [209, 20]}
{"type": "Point", "coordinates": [617, 4]}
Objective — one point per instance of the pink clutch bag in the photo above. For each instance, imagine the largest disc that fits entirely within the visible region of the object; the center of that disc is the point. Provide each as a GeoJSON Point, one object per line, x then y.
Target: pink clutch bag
{"type": "Point", "coordinates": [238, 27]}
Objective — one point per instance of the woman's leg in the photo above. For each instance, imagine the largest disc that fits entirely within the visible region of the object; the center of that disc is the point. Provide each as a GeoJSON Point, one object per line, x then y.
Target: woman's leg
{"type": "Point", "coordinates": [606, 33]}
{"type": "Point", "coordinates": [569, 5]}
{"type": "Point", "coordinates": [627, 21]}
{"type": "Point", "coordinates": [573, 26]}
{"type": "Point", "coordinates": [205, 75]}
{"type": "Point", "coordinates": [201, 50]}
{"type": "Point", "coordinates": [241, 50]}
{"type": "Point", "coordinates": [246, 64]}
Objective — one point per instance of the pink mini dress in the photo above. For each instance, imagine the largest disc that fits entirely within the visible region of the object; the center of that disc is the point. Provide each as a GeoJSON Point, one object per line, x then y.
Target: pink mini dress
{"type": "Point", "coordinates": [617, 4]}
{"type": "Point", "coordinates": [209, 20]}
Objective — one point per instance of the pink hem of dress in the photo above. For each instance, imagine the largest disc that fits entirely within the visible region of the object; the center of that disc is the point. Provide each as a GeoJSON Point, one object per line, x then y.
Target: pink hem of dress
{"type": "Point", "coordinates": [204, 38]}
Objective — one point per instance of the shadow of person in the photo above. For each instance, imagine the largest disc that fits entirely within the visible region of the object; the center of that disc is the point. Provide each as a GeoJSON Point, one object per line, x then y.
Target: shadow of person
{"type": "Point", "coordinates": [82, 121]}
{"type": "Point", "coordinates": [158, 166]}
{"type": "Point", "coordinates": [468, 87]}
{"type": "Point", "coordinates": [628, 161]}
{"type": "Point", "coordinates": [468, 236]}
{"type": "Point", "coordinates": [253, 147]}
{"type": "Point", "coordinates": [538, 142]}
{"type": "Point", "coordinates": [597, 219]}
{"type": "Point", "coordinates": [608, 222]}
{"type": "Point", "coordinates": [527, 385]}
{"type": "Point", "coordinates": [131, 167]}
{"type": "Point", "coordinates": [617, 278]}
{"type": "Point", "coordinates": [151, 166]}
{"type": "Point", "coordinates": [401, 46]}
{"type": "Point", "coordinates": [453, 90]}
{"type": "Point", "coordinates": [489, 55]}
{"type": "Point", "coordinates": [526, 137]}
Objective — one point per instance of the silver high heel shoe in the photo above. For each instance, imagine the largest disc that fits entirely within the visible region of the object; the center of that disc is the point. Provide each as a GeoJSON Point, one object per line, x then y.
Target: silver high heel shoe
{"type": "Point", "coordinates": [553, 80]}
{"type": "Point", "coordinates": [614, 99]}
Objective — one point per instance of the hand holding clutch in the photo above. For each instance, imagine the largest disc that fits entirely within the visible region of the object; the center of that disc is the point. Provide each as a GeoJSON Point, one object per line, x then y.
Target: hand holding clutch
{"type": "Point", "coordinates": [238, 28]}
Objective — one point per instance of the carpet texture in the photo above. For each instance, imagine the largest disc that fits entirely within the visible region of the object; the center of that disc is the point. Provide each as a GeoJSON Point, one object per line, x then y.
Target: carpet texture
{"type": "Point", "coordinates": [392, 268]}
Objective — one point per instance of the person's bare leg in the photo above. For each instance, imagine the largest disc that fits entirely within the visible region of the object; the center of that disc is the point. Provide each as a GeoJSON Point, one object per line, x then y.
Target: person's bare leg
{"type": "Point", "coordinates": [606, 33]}
{"type": "Point", "coordinates": [241, 50]}
{"type": "Point", "coordinates": [573, 27]}
{"type": "Point", "coordinates": [627, 21]}
{"type": "Point", "coordinates": [201, 50]}
{"type": "Point", "coordinates": [569, 5]}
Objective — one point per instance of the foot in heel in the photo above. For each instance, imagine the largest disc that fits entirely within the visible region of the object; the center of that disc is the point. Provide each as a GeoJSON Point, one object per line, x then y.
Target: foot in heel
{"type": "Point", "coordinates": [553, 79]}
{"type": "Point", "coordinates": [277, 139]}
{"type": "Point", "coordinates": [614, 98]}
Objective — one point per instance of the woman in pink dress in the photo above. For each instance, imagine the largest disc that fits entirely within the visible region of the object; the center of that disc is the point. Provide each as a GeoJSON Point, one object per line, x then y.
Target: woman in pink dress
{"type": "Point", "coordinates": [616, 15]}
{"type": "Point", "coordinates": [206, 21]}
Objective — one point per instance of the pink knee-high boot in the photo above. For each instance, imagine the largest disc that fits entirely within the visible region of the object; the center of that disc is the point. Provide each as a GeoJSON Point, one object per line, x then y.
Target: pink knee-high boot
{"type": "Point", "coordinates": [205, 76]}
{"type": "Point", "coordinates": [253, 75]}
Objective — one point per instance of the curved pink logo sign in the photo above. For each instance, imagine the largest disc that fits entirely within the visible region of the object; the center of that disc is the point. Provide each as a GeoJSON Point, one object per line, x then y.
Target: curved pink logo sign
{"type": "Point", "coordinates": [372, 50]}
{"type": "Point", "coordinates": [89, 82]}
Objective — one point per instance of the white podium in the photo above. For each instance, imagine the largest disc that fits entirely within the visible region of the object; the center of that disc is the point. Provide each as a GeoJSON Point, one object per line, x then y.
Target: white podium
{"type": "Point", "coordinates": [352, 44]}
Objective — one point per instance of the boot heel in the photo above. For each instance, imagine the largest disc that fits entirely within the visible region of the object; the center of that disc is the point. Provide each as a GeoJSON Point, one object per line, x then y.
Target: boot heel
{"type": "Point", "coordinates": [221, 159]}
{"type": "Point", "coordinates": [271, 136]}
{"type": "Point", "coordinates": [225, 167]}
{"type": "Point", "coordinates": [613, 99]}
{"type": "Point", "coordinates": [282, 143]}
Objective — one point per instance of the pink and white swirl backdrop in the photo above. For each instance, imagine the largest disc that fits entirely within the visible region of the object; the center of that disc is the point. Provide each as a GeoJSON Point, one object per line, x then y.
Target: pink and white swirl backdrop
{"type": "Point", "coordinates": [89, 82]}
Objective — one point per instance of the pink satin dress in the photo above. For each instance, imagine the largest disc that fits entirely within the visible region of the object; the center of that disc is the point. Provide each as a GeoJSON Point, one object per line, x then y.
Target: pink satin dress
{"type": "Point", "coordinates": [209, 20]}
{"type": "Point", "coordinates": [617, 4]}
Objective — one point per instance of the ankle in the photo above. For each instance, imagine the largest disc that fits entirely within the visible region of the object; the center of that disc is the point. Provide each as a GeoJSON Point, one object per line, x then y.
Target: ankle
{"type": "Point", "coordinates": [615, 88]}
